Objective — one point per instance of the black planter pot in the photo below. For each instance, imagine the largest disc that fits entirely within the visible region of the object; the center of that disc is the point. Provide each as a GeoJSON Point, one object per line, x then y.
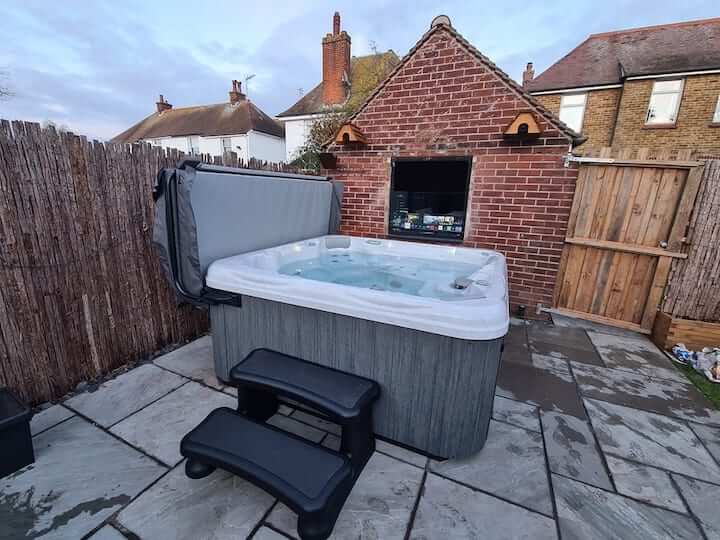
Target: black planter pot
{"type": "Point", "coordinates": [16, 449]}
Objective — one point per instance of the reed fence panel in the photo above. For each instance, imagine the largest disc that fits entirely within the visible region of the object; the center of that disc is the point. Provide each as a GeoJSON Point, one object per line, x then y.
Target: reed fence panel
{"type": "Point", "coordinates": [81, 291]}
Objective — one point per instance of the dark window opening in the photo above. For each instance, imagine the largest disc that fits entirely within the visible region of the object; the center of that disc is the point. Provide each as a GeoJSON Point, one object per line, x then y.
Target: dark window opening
{"type": "Point", "coordinates": [428, 198]}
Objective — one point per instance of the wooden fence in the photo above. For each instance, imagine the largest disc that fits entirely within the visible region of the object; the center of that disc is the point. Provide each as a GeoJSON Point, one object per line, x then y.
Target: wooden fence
{"type": "Point", "coordinates": [627, 225]}
{"type": "Point", "coordinates": [693, 290]}
{"type": "Point", "coordinates": [81, 291]}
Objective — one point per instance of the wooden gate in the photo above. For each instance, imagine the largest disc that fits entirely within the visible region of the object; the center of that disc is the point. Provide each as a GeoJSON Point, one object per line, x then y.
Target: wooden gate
{"type": "Point", "coordinates": [628, 221]}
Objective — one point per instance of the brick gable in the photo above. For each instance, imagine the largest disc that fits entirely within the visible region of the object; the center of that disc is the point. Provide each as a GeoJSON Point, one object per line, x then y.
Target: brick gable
{"type": "Point", "coordinates": [445, 100]}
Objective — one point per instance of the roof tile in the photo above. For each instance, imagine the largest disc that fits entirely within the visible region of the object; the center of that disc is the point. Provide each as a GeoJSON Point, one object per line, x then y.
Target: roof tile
{"type": "Point", "coordinates": [205, 120]}
{"type": "Point", "coordinates": [604, 58]}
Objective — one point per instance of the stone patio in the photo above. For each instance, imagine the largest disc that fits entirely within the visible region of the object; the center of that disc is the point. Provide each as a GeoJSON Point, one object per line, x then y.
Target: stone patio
{"type": "Point", "coordinates": [594, 434]}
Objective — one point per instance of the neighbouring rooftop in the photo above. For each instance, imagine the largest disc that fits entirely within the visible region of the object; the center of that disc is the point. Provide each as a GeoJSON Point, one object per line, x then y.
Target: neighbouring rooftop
{"type": "Point", "coordinates": [236, 117]}
{"type": "Point", "coordinates": [610, 57]}
{"type": "Point", "coordinates": [595, 434]}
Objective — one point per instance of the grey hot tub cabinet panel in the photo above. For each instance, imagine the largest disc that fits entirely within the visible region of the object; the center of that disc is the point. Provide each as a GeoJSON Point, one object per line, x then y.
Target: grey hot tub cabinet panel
{"type": "Point", "coordinates": [437, 391]}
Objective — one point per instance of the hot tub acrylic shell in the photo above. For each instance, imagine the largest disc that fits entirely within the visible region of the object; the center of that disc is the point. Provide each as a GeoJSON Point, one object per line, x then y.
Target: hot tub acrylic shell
{"type": "Point", "coordinates": [436, 361]}
{"type": "Point", "coordinates": [477, 313]}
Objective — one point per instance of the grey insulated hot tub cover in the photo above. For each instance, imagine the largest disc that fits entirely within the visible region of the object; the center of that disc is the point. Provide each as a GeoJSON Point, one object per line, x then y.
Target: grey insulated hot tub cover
{"type": "Point", "coordinates": [207, 212]}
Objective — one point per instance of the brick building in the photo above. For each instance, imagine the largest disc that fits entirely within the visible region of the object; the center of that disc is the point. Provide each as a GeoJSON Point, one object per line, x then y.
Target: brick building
{"type": "Point", "coordinates": [346, 80]}
{"type": "Point", "coordinates": [656, 87]}
{"type": "Point", "coordinates": [435, 163]}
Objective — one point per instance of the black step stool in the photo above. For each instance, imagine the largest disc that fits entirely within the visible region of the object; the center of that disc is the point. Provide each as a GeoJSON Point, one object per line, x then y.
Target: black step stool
{"type": "Point", "coordinates": [309, 478]}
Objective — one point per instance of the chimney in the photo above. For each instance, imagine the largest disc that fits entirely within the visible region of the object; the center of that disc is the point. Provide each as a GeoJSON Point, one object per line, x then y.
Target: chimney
{"type": "Point", "coordinates": [336, 64]}
{"type": "Point", "coordinates": [528, 74]}
{"type": "Point", "coordinates": [236, 96]}
{"type": "Point", "coordinates": [162, 104]}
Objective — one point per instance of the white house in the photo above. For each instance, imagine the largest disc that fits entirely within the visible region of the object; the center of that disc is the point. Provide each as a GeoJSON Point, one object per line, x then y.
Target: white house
{"type": "Point", "coordinates": [237, 126]}
{"type": "Point", "coordinates": [345, 80]}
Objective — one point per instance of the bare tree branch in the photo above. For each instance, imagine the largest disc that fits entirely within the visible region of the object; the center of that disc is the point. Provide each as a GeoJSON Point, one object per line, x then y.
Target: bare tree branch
{"type": "Point", "coordinates": [5, 92]}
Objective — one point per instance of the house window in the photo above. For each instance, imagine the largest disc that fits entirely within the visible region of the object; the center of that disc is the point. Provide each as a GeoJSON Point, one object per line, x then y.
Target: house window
{"type": "Point", "coordinates": [428, 198]}
{"type": "Point", "coordinates": [716, 116]}
{"type": "Point", "coordinates": [572, 110]}
{"type": "Point", "coordinates": [664, 102]}
{"type": "Point", "coordinates": [193, 144]}
{"type": "Point", "coordinates": [227, 144]}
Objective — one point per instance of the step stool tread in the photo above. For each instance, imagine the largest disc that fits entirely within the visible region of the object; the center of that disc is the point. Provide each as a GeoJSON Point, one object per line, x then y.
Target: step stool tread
{"type": "Point", "coordinates": [344, 395]}
{"type": "Point", "coordinates": [306, 474]}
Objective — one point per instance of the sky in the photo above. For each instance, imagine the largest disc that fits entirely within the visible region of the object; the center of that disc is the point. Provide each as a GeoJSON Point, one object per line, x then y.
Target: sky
{"type": "Point", "coordinates": [98, 67]}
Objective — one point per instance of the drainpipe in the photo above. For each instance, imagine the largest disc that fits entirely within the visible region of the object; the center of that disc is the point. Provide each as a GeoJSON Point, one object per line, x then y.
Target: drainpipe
{"type": "Point", "coordinates": [617, 109]}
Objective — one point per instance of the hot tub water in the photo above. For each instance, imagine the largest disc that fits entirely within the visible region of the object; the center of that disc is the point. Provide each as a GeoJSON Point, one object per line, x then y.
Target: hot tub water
{"type": "Point", "coordinates": [408, 275]}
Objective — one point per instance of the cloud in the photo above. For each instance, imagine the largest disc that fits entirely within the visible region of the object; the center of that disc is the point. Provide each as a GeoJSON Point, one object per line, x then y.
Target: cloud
{"type": "Point", "coordinates": [98, 67]}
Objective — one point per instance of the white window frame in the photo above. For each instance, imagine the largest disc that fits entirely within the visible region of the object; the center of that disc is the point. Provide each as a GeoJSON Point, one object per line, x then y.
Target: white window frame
{"type": "Point", "coordinates": [583, 106]}
{"type": "Point", "coordinates": [229, 145]}
{"type": "Point", "coordinates": [716, 114]}
{"type": "Point", "coordinates": [679, 92]}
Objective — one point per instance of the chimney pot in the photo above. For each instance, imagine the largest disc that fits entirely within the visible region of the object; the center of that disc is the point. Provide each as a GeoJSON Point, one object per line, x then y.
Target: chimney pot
{"type": "Point", "coordinates": [336, 64]}
{"type": "Point", "coordinates": [162, 104]}
{"type": "Point", "coordinates": [236, 95]}
{"type": "Point", "coordinates": [528, 74]}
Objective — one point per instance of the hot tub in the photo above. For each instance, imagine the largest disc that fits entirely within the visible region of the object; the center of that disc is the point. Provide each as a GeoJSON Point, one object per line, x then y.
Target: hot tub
{"type": "Point", "coordinates": [425, 321]}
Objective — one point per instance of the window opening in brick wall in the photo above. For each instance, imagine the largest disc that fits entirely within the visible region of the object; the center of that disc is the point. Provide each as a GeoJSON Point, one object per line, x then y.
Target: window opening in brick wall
{"type": "Point", "coordinates": [428, 197]}
{"type": "Point", "coordinates": [716, 116]}
{"type": "Point", "coordinates": [664, 102]}
{"type": "Point", "coordinates": [572, 110]}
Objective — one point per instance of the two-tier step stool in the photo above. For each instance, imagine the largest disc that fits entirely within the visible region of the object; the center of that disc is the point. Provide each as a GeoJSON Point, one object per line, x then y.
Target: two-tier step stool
{"type": "Point", "coordinates": [312, 480]}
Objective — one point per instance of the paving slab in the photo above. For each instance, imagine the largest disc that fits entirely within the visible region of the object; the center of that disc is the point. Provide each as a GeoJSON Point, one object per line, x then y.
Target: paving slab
{"type": "Point", "coordinates": [194, 361]}
{"type": "Point", "coordinates": [564, 352]}
{"type": "Point", "coordinates": [511, 466]}
{"type": "Point", "coordinates": [48, 418]}
{"type": "Point", "coordinates": [636, 354]}
{"type": "Point", "coordinates": [266, 533]}
{"type": "Point", "coordinates": [588, 512]}
{"type": "Point", "coordinates": [82, 475]}
{"type": "Point", "coordinates": [651, 439]}
{"type": "Point", "coordinates": [317, 422]}
{"type": "Point", "coordinates": [158, 428]}
{"type": "Point", "coordinates": [702, 498]}
{"type": "Point", "coordinates": [542, 362]}
{"type": "Point", "coordinates": [572, 450]}
{"type": "Point", "coordinates": [663, 396]}
{"type": "Point", "coordinates": [403, 454]}
{"type": "Point", "coordinates": [569, 344]}
{"type": "Point", "coordinates": [120, 397]}
{"type": "Point", "coordinates": [108, 533]}
{"type": "Point", "coordinates": [517, 413]}
{"type": "Point", "coordinates": [513, 352]}
{"type": "Point", "coordinates": [645, 483]}
{"type": "Point", "coordinates": [379, 506]}
{"type": "Point", "coordinates": [574, 322]}
{"type": "Point", "coordinates": [298, 428]}
{"type": "Point", "coordinates": [710, 436]}
{"type": "Point", "coordinates": [574, 338]}
{"type": "Point", "coordinates": [549, 390]}
{"type": "Point", "coordinates": [450, 511]}
{"type": "Point", "coordinates": [516, 335]}
{"type": "Point", "coordinates": [221, 506]}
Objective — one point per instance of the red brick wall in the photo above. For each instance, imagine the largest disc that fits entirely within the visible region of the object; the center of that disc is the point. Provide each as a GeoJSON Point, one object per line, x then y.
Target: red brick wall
{"type": "Point", "coordinates": [336, 62]}
{"type": "Point", "coordinates": [442, 102]}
